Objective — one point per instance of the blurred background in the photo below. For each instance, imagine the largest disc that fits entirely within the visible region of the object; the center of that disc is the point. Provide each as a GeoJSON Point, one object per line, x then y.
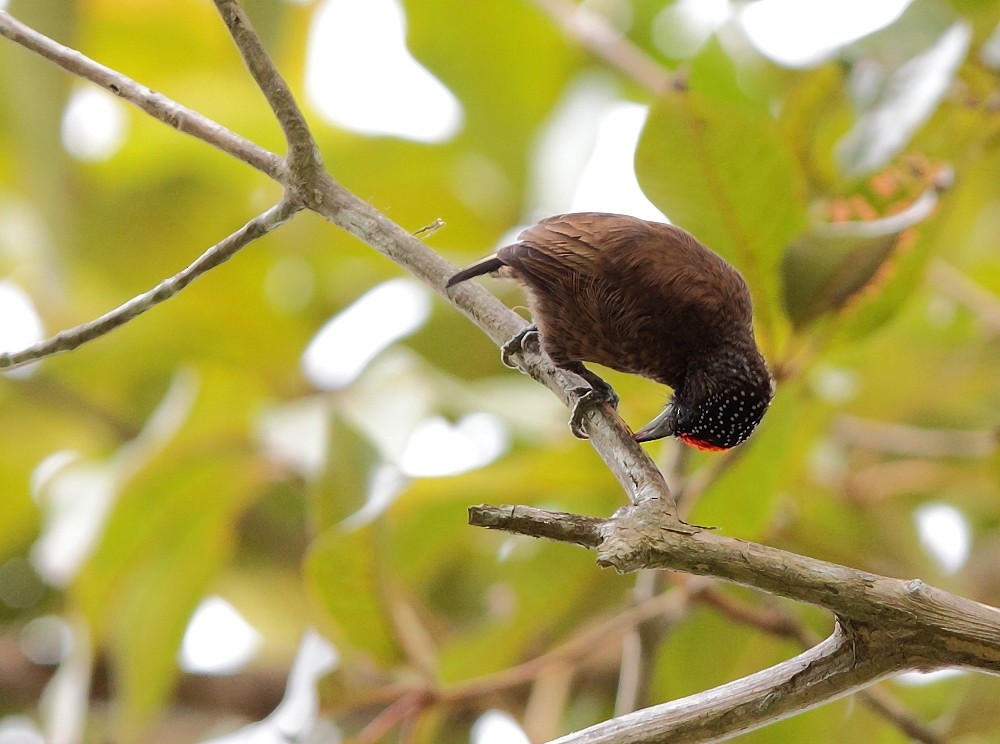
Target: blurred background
{"type": "Point", "coordinates": [242, 516]}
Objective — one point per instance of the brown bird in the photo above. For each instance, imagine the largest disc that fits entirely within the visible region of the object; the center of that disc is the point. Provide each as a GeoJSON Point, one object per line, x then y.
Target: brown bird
{"type": "Point", "coordinates": [645, 298]}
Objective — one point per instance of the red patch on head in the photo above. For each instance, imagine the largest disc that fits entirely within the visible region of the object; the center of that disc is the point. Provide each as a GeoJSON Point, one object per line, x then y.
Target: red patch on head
{"type": "Point", "coordinates": [700, 444]}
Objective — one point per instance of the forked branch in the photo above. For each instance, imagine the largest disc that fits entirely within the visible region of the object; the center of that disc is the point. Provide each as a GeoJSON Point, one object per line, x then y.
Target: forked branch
{"type": "Point", "coordinates": [884, 626]}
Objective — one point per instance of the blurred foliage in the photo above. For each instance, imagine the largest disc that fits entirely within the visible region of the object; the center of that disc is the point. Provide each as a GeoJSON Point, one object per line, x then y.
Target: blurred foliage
{"type": "Point", "coordinates": [166, 415]}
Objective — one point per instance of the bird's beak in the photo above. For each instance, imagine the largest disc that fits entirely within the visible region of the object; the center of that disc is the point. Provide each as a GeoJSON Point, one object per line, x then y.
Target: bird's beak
{"type": "Point", "coordinates": [660, 427]}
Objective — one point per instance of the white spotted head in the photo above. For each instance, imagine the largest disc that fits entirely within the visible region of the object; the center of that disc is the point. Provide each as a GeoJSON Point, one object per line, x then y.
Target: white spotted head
{"type": "Point", "coordinates": [725, 419]}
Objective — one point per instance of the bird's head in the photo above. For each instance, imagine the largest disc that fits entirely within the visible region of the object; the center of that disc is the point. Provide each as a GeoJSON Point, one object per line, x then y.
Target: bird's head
{"type": "Point", "coordinates": [716, 420]}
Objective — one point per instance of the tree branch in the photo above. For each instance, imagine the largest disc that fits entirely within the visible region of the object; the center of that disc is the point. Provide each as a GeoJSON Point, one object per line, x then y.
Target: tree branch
{"type": "Point", "coordinates": [316, 189]}
{"type": "Point", "coordinates": [222, 251]}
{"type": "Point", "coordinates": [913, 441]}
{"type": "Point", "coordinates": [639, 537]}
{"type": "Point", "coordinates": [303, 154]}
{"type": "Point", "coordinates": [885, 625]}
{"type": "Point", "coordinates": [156, 105]}
{"type": "Point", "coordinates": [594, 32]}
{"type": "Point", "coordinates": [968, 292]}
{"type": "Point", "coordinates": [783, 624]}
{"type": "Point", "coordinates": [357, 217]}
{"type": "Point", "coordinates": [825, 672]}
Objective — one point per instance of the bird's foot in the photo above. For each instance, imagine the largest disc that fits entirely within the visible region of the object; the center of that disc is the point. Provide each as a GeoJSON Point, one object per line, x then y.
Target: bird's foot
{"type": "Point", "coordinates": [600, 387]}
{"type": "Point", "coordinates": [586, 399]}
{"type": "Point", "coordinates": [526, 340]}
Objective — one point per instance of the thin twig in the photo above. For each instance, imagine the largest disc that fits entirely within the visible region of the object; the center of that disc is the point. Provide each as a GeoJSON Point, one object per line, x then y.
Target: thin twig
{"type": "Point", "coordinates": [391, 717]}
{"type": "Point", "coordinates": [639, 649]}
{"type": "Point", "coordinates": [303, 154]}
{"type": "Point", "coordinates": [595, 33]}
{"type": "Point", "coordinates": [584, 643]}
{"type": "Point", "coordinates": [222, 251]}
{"type": "Point", "coordinates": [670, 605]}
{"type": "Point", "coordinates": [156, 105]}
{"type": "Point", "coordinates": [772, 621]}
{"type": "Point", "coordinates": [914, 441]}
{"type": "Point", "coordinates": [551, 694]}
{"type": "Point", "coordinates": [892, 710]}
{"type": "Point", "coordinates": [968, 292]}
{"type": "Point", "coordinates": [427, 230]}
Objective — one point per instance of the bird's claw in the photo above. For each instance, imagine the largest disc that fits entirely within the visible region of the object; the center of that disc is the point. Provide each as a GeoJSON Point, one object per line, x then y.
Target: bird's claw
{"type": "Point", "coordinates": [604, 392]}
{"type": "Point", "coordinates": [586, 399]}
{"type": "Point", "coordinates": [523, 341]}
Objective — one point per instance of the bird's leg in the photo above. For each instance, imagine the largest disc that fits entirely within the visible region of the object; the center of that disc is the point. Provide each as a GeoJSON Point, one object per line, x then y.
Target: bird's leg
{"type": "Point", "coordinates": [601, 389]}
{"type": "Point", "coordinates": [599, 393]}
{"type": "Point", "coordinates": [521, 342]}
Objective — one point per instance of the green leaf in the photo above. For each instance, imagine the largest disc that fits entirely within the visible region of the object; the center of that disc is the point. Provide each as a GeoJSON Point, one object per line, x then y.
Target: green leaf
{"type": "Point", "coordinates": [343, 487]}
{"type": "Point", "coordinates": [905, 98]}
{"type": "Point", "coordinates": [169, 536]}
{"type": "Point", "coordinates": [828, 266]}
{"type": "Point", "coordinates": [187, 477]}
{"type": "Point", "coordinates": [530, 62]}
{"type": "Point", "coordinates": [724, 172]}
{"type": "Point", "coordinates": [815, 114]}
{"type": "Point", "coordinates": [343, 574]}
{"type": "Point", "coordinates": [822, 271]}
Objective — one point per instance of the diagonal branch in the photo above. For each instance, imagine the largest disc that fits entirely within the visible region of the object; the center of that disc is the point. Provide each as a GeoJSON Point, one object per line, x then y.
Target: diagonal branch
{"type": "Point", "coordinates": [156, 105]}
{"type": "Point", "coordinates": [320, 192]}
{"type": "Point", "coordinates": [845, 662]}
{"type": "Point", "coordinates": [312, 186]}
{"type": "Point", "coordinates": [965, 291]}
{"type": "Point", "coordinates": [595, 33]}
{"type": "Point", "coordinates": [222, 251]}
{"type": "Point", "coordinates": [915, 441]}
{"type": "Point", "coordinates": [782, 624]}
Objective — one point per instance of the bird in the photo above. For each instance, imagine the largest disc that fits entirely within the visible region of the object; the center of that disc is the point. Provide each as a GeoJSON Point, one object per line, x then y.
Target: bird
{"type": "Point", "coordinates": [645, 298]}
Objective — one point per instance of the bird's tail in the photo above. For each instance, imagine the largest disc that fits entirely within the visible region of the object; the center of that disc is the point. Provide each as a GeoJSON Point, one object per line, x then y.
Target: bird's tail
{"type": "Point", "coordinates": [486, 266]}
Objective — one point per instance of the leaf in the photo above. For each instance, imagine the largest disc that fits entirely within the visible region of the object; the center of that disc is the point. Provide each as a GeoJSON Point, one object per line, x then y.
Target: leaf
{"type": "Point", "coordinates": [537, 593]}
{"type": "Point", "coordinates": [814, 115]}
{"type": "Point", "coordinates": [529, 64]}
{"type": "Point", "coordinates": [343, 487]}
{"type": "Point", "coordinates": [724, 172]}
{"type": "Point", "coordinates": [905, 99]}
{"type": "Point", "coordinates": [170, 535]}
{"type": "Point", "coordinates": [822, 271]}
{"type": "Point", "coordinates": [170, 532]}
{"type": "Point", "coordinates": [343, 574]}
{"type": "Point", "coordinates": [828, 266]}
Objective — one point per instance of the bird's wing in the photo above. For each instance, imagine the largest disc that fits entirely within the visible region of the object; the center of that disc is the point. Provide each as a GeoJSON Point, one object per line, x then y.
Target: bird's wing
{"type": "Point", "coordinates": [569, 243]}
{"type": "Point", "coordinates": [564, 242]}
